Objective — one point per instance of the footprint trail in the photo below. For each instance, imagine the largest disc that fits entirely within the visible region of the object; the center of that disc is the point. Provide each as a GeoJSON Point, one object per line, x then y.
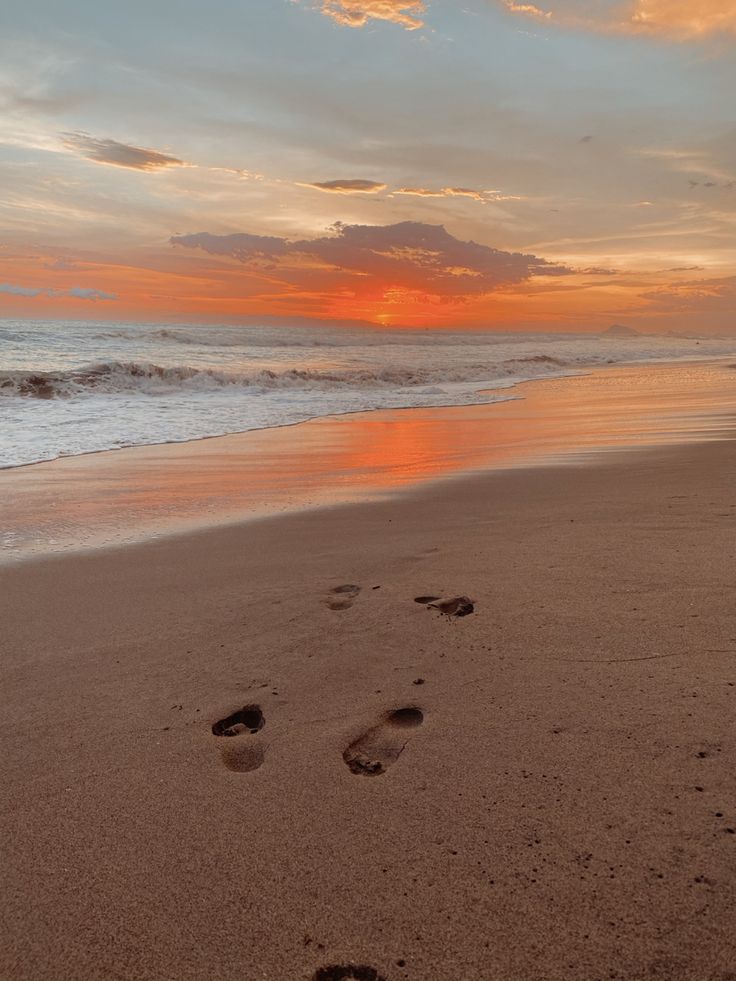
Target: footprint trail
{"type": "Point", "coordinates": [377, 749]}
{"type": "Point", "coordinates": [342, 597]}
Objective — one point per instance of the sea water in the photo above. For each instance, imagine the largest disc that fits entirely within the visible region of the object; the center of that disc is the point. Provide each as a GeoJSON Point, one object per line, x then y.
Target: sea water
{"type": "Point", "coordinates": [69, 388]}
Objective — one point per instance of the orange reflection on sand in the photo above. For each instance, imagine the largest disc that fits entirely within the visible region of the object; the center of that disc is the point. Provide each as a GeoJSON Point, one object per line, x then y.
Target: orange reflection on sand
{"type": "Point", "coordinates": [127, 495]}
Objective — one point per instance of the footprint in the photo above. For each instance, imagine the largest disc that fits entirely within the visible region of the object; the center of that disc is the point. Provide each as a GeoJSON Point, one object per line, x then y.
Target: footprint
{"type": "Point", "coordinates": [243, 757]}
{"type": "Point", "coordinates": [373, 753]}
{"type": "Point", "coordinates": [248, 719]}
{"type": "Point", "coordinates": [455, 606]}
{"type": "Point", "coordinates": [342, 597]}
{"type": "Point", "coordinates": [347, 972]}
{"type": "Point", "coordinates": [238, 754]}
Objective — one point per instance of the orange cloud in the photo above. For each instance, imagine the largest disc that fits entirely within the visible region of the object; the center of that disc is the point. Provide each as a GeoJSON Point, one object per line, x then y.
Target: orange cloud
{"type": "Point", "coordinates": [352, 186]}
{"type": "Point", "coordinates": [677, 19]}
{"type": "Point", "coordinates": [684, 18]}
{"type": "Point", "coordinates": [357, 13]}
{"type": "Point", "coordinates": [529, 9]}
{"type": "Point", "coordinates": [454, 192]}
{"type": "Point", "coordinates": [118, 154]}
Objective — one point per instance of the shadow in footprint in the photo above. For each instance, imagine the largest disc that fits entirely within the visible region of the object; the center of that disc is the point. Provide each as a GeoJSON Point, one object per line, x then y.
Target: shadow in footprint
{"type": "Point", "coordinates": [239, 754]}
{"type": "Point", "coordinates": [373, 753]}
{"type": "Point", "coordinates": [455, 606]}
{"type": "Point", "coordinates": [248, 719]}
{"type": "Point", "coordinates": [347, 972]}
{"type": "Point", "coordinates": [342, 597]}
{"type": "Point", "coordinates": [243, 757]}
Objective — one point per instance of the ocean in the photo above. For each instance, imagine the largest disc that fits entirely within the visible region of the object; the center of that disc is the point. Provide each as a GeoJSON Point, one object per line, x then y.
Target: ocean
{"type": "Point", "coordinates": [68, 388]}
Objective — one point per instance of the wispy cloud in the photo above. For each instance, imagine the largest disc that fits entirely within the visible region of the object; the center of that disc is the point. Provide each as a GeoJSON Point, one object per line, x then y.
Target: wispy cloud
{"type": "Point", "coordinates": [410, 256]}
{"type": "Point", "coordinates": [351, 186]}
{"type": "Point", "coordinates": [359, 186]}
{"type": "Point", "coordinates": [528, 9]}
{"type": "Point", "coordinates": [683, 18]}
{"type": "Point", "coordinates": [696, 295]}
{"type": "Point", "coordinates": [77, 292]}
{"type": "Point", "coordinates": [357, 13]}
{"type": "Point", "coordinates": [15, 290]}
{"type": "Point", "coordinates": [84, 293]}
{"type": "Point", "coordinates": [119, 154]}
{"type": "Point", "coordinates": [457, 192]}
{"type": "Point", "coordinates": [676, 19]}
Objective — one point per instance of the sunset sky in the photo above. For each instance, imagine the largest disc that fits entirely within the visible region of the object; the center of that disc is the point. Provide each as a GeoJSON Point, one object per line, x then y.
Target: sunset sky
{"type": "Point", "coordinates": [490, 164]}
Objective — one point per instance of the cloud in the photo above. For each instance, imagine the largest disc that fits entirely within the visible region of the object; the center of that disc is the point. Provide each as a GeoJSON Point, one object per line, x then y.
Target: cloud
{"type": "Point", "coordinates": [714, 295]}
{"type": "Point", "coordinates": [529, 9]}
{"type": "Point", "coordinates": [676, 19]}
{"type": "Point", "coordinates": [357, 13]}
{"type": "Point", "coordinates": [20, 290]}
{"type": "Point", "coordinates": [353, 186]}
{"type": "Point", "coordinates": [729, 185]}
{"type": "Point", "coordinates": [408, 256]}
{"type": "Point", "coordinates": [76, 292]}
{"type": "Point", "coordinates": [119, 154]}
{"type": "Point", "coordinates": [684, 18]}
{"type": "Point", "coordinates": [82, 293]}
{"type": "Point", "coordinates": [61, 263]}
{"type": "Point", "coordinates": [453, 192]}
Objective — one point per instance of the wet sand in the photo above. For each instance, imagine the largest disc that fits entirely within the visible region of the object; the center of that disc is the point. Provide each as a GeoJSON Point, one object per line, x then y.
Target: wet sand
{"type": "Point", "coordinates": [541, 790]}
{"type": "Point", "coordinates": [137, 493]}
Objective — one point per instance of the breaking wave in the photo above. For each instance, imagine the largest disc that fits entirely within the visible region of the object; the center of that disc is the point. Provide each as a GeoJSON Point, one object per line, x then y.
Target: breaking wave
{"type": "Point", "coordinates": [110, 377]}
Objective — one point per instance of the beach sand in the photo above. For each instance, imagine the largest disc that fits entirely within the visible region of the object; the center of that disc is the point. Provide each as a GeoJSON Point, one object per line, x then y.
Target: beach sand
{"type": "Point", "coordinates": [543, 789]}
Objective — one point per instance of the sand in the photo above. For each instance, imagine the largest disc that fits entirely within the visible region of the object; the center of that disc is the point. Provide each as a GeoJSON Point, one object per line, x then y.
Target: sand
{"type": "Point", "coordinates": [541, 789]}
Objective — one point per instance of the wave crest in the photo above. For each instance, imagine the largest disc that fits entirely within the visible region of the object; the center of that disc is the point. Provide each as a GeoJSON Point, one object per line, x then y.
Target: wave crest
{"type": "Point", "coordinates": [145, 378]}
{"type": "Point", "coordinates": [111, 377]}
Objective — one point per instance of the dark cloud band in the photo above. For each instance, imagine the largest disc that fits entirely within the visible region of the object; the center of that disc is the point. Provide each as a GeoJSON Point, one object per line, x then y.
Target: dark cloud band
{"type": "Point", "coordinates": [409, 255]}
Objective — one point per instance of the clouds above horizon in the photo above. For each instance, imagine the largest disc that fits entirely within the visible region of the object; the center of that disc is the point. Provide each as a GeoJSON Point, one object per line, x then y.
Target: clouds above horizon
{"type": "Point", "coordinates": [484, 197]}
{"type": "Point", "coordinates": [360, 186]}
{"type": "Point", "coordinates": [597, 144]}
{"type": "Point", "coordinates": [118, 154]}
{"type": "Point", "coordinates": [676, 19]}
{"type": "Point", "coordinates": [351, 186]}
{"type": "Point", "coordinates": [697, 295]}
{"type": "Point", "coordinates": [76, 292]}
{"type": "Point", "coordinates": [410, 256]}
{"type": "Point", "coordinates": [358, 13]}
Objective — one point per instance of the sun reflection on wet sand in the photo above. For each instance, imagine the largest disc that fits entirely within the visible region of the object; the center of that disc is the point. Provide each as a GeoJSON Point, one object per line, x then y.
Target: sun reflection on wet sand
{"type": "Point", "coordinates": [126, 495]}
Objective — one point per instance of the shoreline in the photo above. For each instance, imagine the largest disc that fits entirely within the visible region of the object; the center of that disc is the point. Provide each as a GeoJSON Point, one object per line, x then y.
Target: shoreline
{"type": "Point", "coordinates": [560, 812]}
{"type": "Point", "coordinates": [498, 387]}
{"type": "Point", "coordinates": [286, 425]}
{"type": "Point", "coordinates": [113, 497]}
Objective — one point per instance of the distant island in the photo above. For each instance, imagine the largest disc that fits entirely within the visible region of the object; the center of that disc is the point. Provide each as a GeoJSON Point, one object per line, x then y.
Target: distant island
{"type": "Point", "coordinates": [620, 330]}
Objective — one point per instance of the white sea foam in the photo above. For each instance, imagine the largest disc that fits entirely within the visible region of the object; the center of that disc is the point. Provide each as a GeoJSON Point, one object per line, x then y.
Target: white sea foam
{"type": "Point", "coordinates": [73, 388]}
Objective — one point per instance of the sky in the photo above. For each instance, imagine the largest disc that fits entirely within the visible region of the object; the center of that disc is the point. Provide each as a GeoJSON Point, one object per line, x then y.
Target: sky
{"type": "Point", "coordinates": [484, 164]}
